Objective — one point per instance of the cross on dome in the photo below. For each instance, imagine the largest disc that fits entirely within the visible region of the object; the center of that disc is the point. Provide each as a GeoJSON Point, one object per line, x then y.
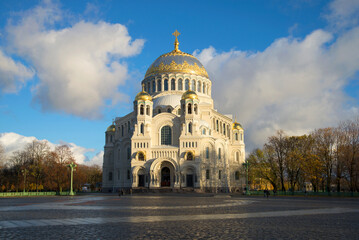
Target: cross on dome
{"type": "Point", "coordinates": [176, 34]}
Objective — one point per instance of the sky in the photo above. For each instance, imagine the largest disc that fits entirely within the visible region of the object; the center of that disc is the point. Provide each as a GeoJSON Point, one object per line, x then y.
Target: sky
{"type": "Point", "coordinates": [68, 68]}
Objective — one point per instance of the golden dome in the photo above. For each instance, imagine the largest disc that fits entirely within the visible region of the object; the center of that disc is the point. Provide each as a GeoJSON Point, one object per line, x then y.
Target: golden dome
{"type": "Point", "coordinates": [111, 128]}
{"type": "Point", "coordinates": [143, 96]}
{"type": "Point", "coordinates": [189, 94]}
{"type": "Point", "coordinates": [176, 62]}
{"type": "Point", "coordinates": [237, 126]}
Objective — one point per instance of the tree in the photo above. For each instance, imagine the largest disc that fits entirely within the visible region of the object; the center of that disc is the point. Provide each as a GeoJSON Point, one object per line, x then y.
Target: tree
{"type": "Point", "coordinates": [262, 165]}
{"type": "Point", "coordinates": [324, 148]}
{"type": "Point", "coordinates": [63, 156]}
{"type": "Point", "coordinates": [37, 151]}
{"type": "Point", "coordinates": [350, 154]}
{"type": "Point", "coordinates": [2, 156]}
{"type": "Point", "coordinates": [277, 147]}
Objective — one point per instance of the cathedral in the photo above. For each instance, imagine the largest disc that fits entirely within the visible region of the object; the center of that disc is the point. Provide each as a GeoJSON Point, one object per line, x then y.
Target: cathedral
{"type": "Point", "coordinates": [174, 138]}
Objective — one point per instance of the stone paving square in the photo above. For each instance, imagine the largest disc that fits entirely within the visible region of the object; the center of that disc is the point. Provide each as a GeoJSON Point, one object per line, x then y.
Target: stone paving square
{"type": "Point", "coordinates": [178, 216]}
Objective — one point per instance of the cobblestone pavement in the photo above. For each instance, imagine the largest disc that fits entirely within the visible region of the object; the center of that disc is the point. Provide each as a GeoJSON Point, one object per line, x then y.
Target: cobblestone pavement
{"type": "Point", "coordinates": [178, 216]}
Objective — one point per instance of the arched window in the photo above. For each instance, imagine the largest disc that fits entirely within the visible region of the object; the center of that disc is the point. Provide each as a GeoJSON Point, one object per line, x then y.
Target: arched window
{"type": "Point", "coordinates": [122, 130]}
{"type": "Point", "coordinates": [159, 85]}
{"type": "Point", "coordinates": [173, 84]}
{"type": "Point", "coordinates": [237, 156]}
{"type": "Point", "coordinates": [166, 135]}
{"type": "Point", "coordinates": [224, 129]}
{"type": "Point", "coordinates": [189, 108]}
{"type": "Point", "coordinates": [153, 86]}
{"type": "Point", "coordinates": [148, 110]}
{"type": "Point", "coordinates": [219, 153]}
{"type": "Point", "coordinates": [142, 111]}
{"type": "Point", "coordinates": [142, 130]}
{"type": "Point", "coordinates": [190, 127]}
{"type": "Point", "coordinates": [190, 156]}
{"type": "Point", "coordinates": [195, 109]}
{"type": "Point", "coordinates": [165, 85]}
{"type": "Point", "coordinates": [180, 84]}
{"type": "Point", "coordinates": [141, 156]}
{"type": "Point", "coordinates": [217, 127]}
{"type": "Point", "coordinates": [236, 175]}
{"type": "Point", "coordinates": [207, 152]}
{"type": "Point", "coordinates": [128, 126]}
{"type": "Point", "coordinates": [193, 85]}
{"type": "Point", "coordinates": [199, 86]}
{"type": "Point", "coordinates": [204, 88]}
{"type": "Point", "coordinates": [110, 176]}
{"type": "Point", "coordinates": [203, 131]}
{"type": "Point", "coordinates": [236, 136]}
{"type": "Point", "coordinates": [186, 85]}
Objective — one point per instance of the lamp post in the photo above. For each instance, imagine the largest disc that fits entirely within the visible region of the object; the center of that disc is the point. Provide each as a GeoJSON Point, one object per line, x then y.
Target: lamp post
{"type": "Point", "coordinates": [24, 172]}
{"type": "Point", "coordinates": [246, 165]}
{"type": "Point", "coordinates": [72, 166]}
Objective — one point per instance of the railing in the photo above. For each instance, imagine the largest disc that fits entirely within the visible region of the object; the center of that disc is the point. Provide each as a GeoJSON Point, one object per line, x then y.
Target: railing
{"type": "Point", "coordinates": [26, 194]}
{"type": "Point", "coordinates": [165, 152]}
{"type": "Point", "coordinates": [300, 193]}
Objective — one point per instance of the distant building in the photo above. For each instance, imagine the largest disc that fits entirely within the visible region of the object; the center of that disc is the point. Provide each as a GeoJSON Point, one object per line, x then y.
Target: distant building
{"type": "Point", "coordinates": [174, 138]}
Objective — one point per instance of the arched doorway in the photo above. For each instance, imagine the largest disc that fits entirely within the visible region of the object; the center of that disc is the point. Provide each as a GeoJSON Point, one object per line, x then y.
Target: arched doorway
{"type": "Point", "coordinates": [190, 177]}
{"type": "Point", "coordinates": [141, 177]}
{"type": "Point", "coordinates": [165, 177]}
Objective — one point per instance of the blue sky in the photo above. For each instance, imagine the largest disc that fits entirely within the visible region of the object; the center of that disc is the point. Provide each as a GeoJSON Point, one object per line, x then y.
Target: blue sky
{"type": "Point", "coordinates": [67, 68]}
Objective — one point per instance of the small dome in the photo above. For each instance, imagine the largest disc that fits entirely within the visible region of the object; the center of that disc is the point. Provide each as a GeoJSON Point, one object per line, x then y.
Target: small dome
{"type": "Point", "coordinates": [189, 94]}
{"type": "Point", "coordinates": [237, 126]}
{"type": "Point", "coordinates": [143, 96]}
{"type": "Point", "coordinates": [111, 128]}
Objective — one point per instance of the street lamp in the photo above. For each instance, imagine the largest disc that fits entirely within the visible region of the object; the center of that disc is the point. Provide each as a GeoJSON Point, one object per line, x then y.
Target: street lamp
{"type": "Point", "coordinates": [246, 165]}
{"type": "Point", "coordinates": [24, 172]}
{"type": "Point", "coordinates": [72, 166]}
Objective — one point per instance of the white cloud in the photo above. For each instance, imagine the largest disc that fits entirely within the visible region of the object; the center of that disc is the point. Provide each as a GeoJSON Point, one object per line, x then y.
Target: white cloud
{"type": "Point", "coordinates": [15, 142]}
{"type": "Point", "coordinates": [80, 67]}
{"type": "Point", "coordinates": [295, 85]}
{"type": "Point", "coordinates": [13, 75]}
{"type": "Point", "coordinates": [343, 13]}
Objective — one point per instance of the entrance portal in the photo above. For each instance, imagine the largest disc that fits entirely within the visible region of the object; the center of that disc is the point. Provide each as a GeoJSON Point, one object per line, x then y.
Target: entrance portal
{"type": "Point", "coordinates": [165, 177]}
{"type": "Point", "coordinates": [189, 180]}
{"type": "Point", "coordinates": [141, 180]}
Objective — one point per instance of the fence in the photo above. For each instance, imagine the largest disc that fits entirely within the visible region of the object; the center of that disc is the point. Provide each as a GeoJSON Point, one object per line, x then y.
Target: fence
{"type": "Point", "coordinates": [295, 193]}
{"type": "Point", "coordinates": [27, 194]}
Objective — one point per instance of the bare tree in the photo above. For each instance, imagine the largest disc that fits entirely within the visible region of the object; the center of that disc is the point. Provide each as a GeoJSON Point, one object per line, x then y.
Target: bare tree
{"type": "Point", "coordinates": [2, 156]}
{"type": "Point", "coordinates": [350, 130]}
{"type": "Point", "coordinates": [277, 146]}
{"type": "Point", "coordinates": [324, 148]}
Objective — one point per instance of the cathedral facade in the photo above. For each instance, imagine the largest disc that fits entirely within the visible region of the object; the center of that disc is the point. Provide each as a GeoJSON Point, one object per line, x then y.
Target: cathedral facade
{"type": "Point", "coordinates": [174, 138]}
